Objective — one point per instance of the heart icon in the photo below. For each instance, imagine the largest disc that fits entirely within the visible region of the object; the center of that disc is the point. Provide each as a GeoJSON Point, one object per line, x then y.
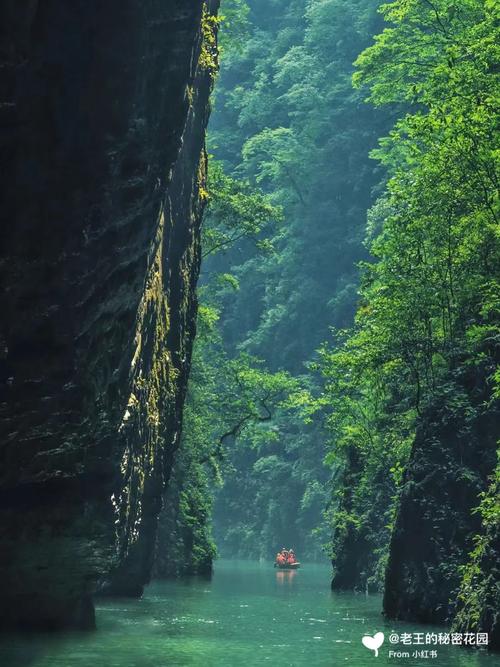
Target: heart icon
{"type": "Point", "coordinates": [374, 643]}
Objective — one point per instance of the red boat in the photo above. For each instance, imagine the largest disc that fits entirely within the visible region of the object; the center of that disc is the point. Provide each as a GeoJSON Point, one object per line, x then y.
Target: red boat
{"type": "Point", "coordinates": [285, 560]}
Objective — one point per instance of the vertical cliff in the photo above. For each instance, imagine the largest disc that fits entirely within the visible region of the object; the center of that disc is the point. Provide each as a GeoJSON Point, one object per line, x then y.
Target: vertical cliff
{"type": "Point", "coordinates": [103, 108]}
{"type": "Point", "coordinates": [452, 459]}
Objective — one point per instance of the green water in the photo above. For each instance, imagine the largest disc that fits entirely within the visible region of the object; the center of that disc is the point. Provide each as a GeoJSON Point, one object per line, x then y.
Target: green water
{"type": "Point", "coordinates": [248, 615]}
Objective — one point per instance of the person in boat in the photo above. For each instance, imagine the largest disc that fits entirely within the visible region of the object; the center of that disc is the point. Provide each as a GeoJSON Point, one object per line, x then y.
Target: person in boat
{"type": "Point", "coordinates": [291, 557]}
{"type": "Point", "coordinates": [282, 557]}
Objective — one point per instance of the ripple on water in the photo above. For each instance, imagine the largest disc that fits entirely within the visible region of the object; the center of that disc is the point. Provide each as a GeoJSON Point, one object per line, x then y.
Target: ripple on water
{"type": "Point", "coordinates": [246, 621]}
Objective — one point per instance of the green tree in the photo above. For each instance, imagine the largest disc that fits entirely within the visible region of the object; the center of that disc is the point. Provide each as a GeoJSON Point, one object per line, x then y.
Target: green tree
{"type": "Point", "coordinates": [413, 384]}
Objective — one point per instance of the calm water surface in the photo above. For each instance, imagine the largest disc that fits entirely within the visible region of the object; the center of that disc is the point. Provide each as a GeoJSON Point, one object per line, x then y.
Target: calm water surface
{"type": "Point", "coordinates": [248, 615]}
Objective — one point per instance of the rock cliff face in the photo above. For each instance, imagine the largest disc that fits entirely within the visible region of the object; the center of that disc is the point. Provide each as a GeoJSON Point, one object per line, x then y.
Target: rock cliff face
{"type": "Point", "coordinates": [102, 115]}
{"type": "Point", "coordinates": [184, 544]}
{"type": "Point", "coordinates": [358, 550]}
{"type": "Point", "coordinates": [453, 456]}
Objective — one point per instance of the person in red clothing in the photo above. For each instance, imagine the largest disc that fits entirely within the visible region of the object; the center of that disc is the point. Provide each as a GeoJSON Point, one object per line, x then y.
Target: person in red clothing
{"type": "Point", "coordinates": [291, 557]}
{"type": "Point", "coordinates": [280, 558]}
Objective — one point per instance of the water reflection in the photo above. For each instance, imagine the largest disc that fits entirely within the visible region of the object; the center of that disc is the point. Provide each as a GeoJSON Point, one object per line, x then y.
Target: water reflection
{"type": "Point", "coordinates": [248, 614]}
{"type": "Point", "coordinates": [285, 577]}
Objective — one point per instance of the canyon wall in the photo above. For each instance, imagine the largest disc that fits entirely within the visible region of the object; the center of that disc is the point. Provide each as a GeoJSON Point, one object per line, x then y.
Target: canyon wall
{"type": "Point", "coordinates": [103, 109]}
{"type": "Point", "coordinates": [438, 523]}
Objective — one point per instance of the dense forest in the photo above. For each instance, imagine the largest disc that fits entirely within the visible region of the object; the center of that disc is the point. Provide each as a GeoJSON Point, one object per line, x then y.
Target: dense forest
{"type": "Point", "coordinates": [250, 297]}
{"type": "Point", "coordinates": [344, 395]}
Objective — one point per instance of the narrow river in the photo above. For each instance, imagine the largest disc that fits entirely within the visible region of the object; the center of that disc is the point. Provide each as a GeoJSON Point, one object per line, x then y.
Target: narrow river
{"type": "Point", "coordinates": [247, 615]}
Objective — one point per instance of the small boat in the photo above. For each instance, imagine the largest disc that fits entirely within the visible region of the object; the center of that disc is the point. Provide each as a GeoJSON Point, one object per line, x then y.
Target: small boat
{"type": "Point", "coordinates": [287, 566]}
{"type": "Point", "coordinates": [285, 560]}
